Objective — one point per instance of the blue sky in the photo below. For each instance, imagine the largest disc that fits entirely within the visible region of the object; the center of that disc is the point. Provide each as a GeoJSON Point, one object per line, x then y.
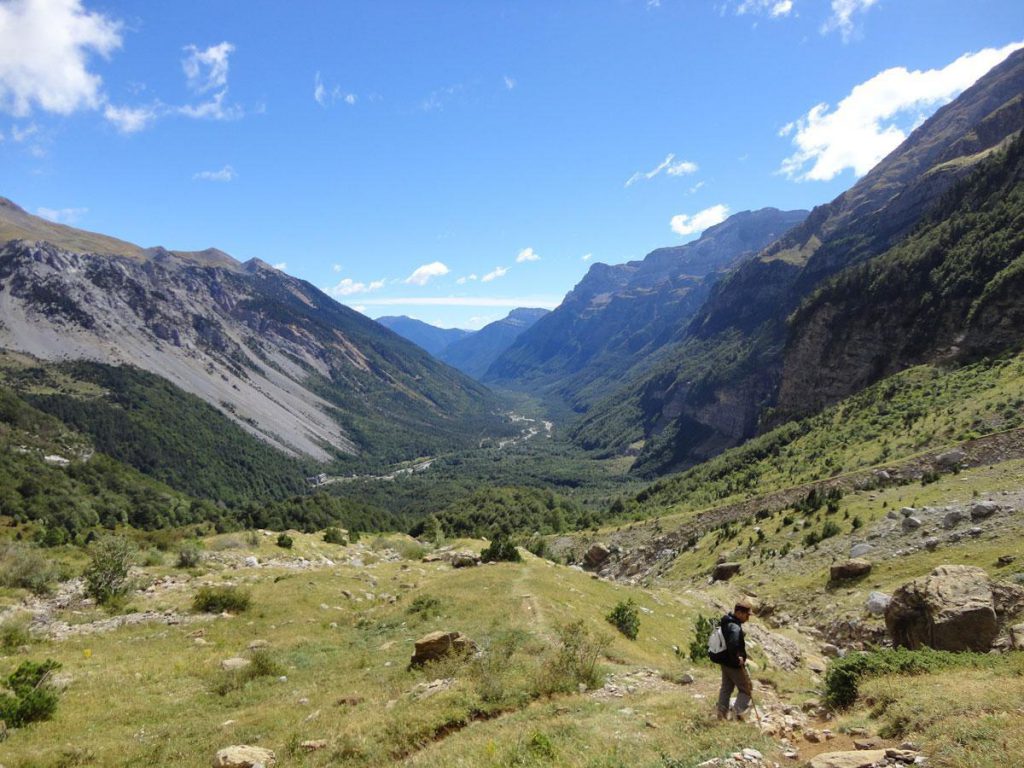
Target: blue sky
{"type": "Point", "coordinates": [451, 160]}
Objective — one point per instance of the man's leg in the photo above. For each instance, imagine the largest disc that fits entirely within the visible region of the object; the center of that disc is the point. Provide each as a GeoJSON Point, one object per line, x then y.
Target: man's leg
{"type": "Point", "coordinates": [725, 692]}
{"type": "Point", "coordinates": [746, 690]}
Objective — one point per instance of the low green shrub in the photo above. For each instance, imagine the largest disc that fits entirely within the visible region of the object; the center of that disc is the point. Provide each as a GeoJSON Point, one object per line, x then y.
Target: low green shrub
{"type": "Point", "coordinates": [285, 541]}
{"type": "Point", "coordinates": [30, 699]}
{"type": "Point", "coordinates": [703, 626]}
{"type": "Point", "coordinates": [501, 549]}
{"type": "Point", "coordinates": [221, 599]}
{"type": "Point", "coordinates": [14, 632]}
{"type": "Point", "coordinates": [576, 662]}
{"type": "Point", "coordinates": [107, 575]}
{"type": "Point", "coordinates": [626, 618]}
{"type": "Point", "coordinates": [261, 664]}
{"type": "Point", "coordinates": [425, 606]}
{"type": "Point", "coordinates": [189, 556]}
{"type": "Point", "coordinates": [844, 674]}
{"type": "Point", "coordinates": [334, 535]}
{"type": "Point", "coordinates": [25, 567]}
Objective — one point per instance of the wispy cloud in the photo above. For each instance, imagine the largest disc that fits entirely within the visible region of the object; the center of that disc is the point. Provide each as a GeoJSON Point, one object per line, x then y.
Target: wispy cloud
{"type": "Point", "coordinates": [466, 279]}
{"type": "Point", "coordinates": [842, 18]}
{"type": "Point", "coordinates": [773, 8]}
{"type": "Point", "coordinates": [206, 72]}
{"type": "Point", "coordinates": [281, 266]}
{"type": "Point", "coordinates": [336, 268]}
{"type": "Point", "coordinates": [438, 99]}
{"type": "Point", "coordinates": [874, 118]}
{"type": "Point", "coordinates": [527, 254]}
{"type": "Point", "coordinates": [62, 215]}
{"type": "Point", "coordinates": [669, 165]}
{"type": "Point", "coordinates": [131, 119]}
{"type": "Point", "coordinates": [349, 287]}
{"type": "Point", "coordinates": [546, 302]}
{"type": "Point", "coordinates": [686, 224]}
{"type": "Point", "coordinates": [586, 257]}
{"type": "Point", "coordinates": [44, 47]}
{"type": "Point", "coordinates": [494, 274]}
{"type": "Point", "coordinates": [510, 83]}
{"type": "Point", "coordinates": [227, 173]}
{"type": "Point", "coordinates": [325, 96]}
{"type": "Point", "coordinates": [424, 274]}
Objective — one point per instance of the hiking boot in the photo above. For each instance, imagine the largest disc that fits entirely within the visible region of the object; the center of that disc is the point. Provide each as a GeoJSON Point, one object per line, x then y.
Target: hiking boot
{"type": "Point", "coordinates": [738, 716]}
{"type": "Point", "coordinates": [723, 714]}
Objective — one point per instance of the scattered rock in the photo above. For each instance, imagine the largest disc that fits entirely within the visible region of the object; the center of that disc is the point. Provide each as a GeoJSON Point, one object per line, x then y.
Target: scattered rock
{"type": "Point", "coordinates": [983, 510]}
{"type": "Point", "coordinates": [1006, 560]}
{"type": "Point", "coordinates": [859, 550]}
{"type": "Point", "coordinates": [1017, 637]}
{"type": "Point", "coordinates": [950, 459]}
{"type": "Point", "coordinates": [439, 644]}
{"type": "Point", "coordinates": [851, 569]}
{"type": "Point", "coordinates": [830, 651]}
{"type": "Point", "coordinates": [464, 559]}
{"type": "Point", "coordinates": [931, 543]}
{"type": "Point", "coordinates": [902, 755]}
{"type": "Point", "coordinates": [877, 603]}
{"type": "Point", "coordinates": [863, 744]}
{"type": "Point", "coordinates": [234, 664]}
{"type": "Point", "coordinates": [596, 556]}
{"type": "Point", "coordinates": [725, 571]}
{"type": "Point", "coordinates": [953, 518]}
{"type": "Point", "coordinates": [950, 609]}
{"type": "Point", "coordinates": [252, 562]}
{"type": "Point", "coordinates": [856, 759]}
{"type": "Point", "coordinates": [910, 523]}
{"type": "Point", "coordinates": [243, 756]}
{"type": "Point", "coordinates": [313, 745]}
{"type": "Point", "coordinates": [256, 645]}
{"type": "Point", "coordinates": [908, 511]}
{"type": "Point", "coordinates": [688, 679]}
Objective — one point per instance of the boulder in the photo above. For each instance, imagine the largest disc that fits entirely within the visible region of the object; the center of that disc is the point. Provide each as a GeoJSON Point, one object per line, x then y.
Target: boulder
{"type": "Point", "coordinates": [983, 509]}
{"type": "Point", "coordinates": [859, 550]}
{"type": "Point", "coordinates": [437, 645]}
{"type": "Point", "coordinates": [243, 756]}
{"type": "Point", "coordinates": [1017, 637]}
{"type": "Point", "coordinates": [850, 569]}
{"type": "Point", "coordinates": [234, 664]}
{"type": "Point", "coordinates": [464, 559]}
{"type": "Point", "coordinates": [861, 758]}
{"type": "Point", "coordinates": [596, 556]}
{"type": "Point", "coordinates": [877, 603]}
{"type": "Point", "coordinates": [725, 571]}
{"type": "Point", "coordinates": [950, 459]}
{"type": "Point", "coordinates": [953, 518]}
{"type": "Point", "coordinates": [910, 524]}
{"type": "Point", "coordinates": [951, 609]}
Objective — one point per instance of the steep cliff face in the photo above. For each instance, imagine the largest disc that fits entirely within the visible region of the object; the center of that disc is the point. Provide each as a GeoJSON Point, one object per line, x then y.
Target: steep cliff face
{"type": "Point", "coordinates": [477, 351]}
{"type": "Point", "coordinates": [947, 292]}
{"type": "Point", "coordinates": [619, 318]}
{"type": "Point", "coordinates": [736, 341]}
{"type": "Point", "coordinates": [282, 359]}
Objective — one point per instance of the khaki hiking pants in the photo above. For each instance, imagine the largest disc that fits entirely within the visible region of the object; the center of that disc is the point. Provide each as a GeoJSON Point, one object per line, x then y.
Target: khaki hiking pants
{"type": "Point", "coordinates": [738, 679]}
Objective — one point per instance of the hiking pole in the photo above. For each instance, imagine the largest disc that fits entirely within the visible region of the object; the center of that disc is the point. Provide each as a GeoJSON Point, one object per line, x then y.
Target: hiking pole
{"type": "Point", "coordinates": [757, 714]}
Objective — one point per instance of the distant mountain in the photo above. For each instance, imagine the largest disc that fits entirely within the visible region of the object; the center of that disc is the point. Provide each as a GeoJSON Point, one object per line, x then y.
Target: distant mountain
{"type": "Point", "coordinates": [618, 318]}
{"type": "Point", "coordinates": [431, 338]}
{"type": "Point", "coordinates": [475, 353]}
{"type": "Point", "coordinates": [721, 383]}
{"type": "Point", "coordinates": [277, 356]}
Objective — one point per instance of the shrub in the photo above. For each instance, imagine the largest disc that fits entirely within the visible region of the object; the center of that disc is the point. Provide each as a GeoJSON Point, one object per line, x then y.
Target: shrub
{"type": "Point", "coordinates": [501, 549]}
{"type": "Point", "coordinates": [261, 664]}
{"type": "Point", "coordinates": [32, 699]}
{"type": "Point", "coordinates": [576, 661]}
{"type": "Point", "coordinates": [353, 536]}
{"type": "Point", "coordinates": [189, 556]}
{"type": "Point", "coordinates": [703, 626]}
{"type": "Point", "coordinates": [626, 618]}
{"type": "Point", "coordinates": [334, 535]}
{"type": "Point", "coordinates": [221, 599]}
{"type": "Point", "coordinates": [425, 606]}
{"type": "Point", "coordinates": [14, 632]}
{"type": "Point", "coordinates": [538, 545]}
{"type": "Point", "coordinates": [107, 575]}
{"type": "Point", "coordinates": [25, 567]}
{"type": "Point", "coordinates": [153, 558]}
{"type": "Point", "coordinates": [284, 541]}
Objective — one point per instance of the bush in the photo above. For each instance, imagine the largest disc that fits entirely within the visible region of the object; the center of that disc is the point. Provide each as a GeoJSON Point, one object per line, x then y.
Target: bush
{"type": "Point", "coordinates": [576, 661]}
{"type": "Point", "coordinates": [501, 549]}
{"type": "Point", "coordinates": [626, 618]}
{"type": "Point", "coordinates": [284, 541]}
{"type": "Point", "coordinates": [221, 599]}
{"type": "Point", "coordinates": [106, 576]}
{"type": "Point", "coordinates": [538, 545]}
{"type": "Point", "coordinates": [334, 535]}
{"type": "Point", "coordinates": [844, 674]}
{"type": "Point", "coordinates": [189, 556]}
{"type": "Point", "coordinates": [261, 664]}
{"type": "Point", "coordinates": [425, 606]}
{"type": "Point", "coordinates": [32, 699]}
{"type": "Point", "coordinates": [14, 632]}
{"type": "Point", "coordinates": [703, 626]}
{"type": "Point", "coordinates": [25, 567]}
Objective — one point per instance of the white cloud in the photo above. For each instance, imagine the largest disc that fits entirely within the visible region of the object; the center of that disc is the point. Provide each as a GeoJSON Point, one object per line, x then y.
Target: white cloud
{"type": "Point", "coordinates": [669, 165]}
{"type": "Point", "coordinates": [281, 266]}
{"type": "Point", "coordinates": [62, 215]}
{"type": "Point", "coordinates": [214, 109]}
{"type": "Point", "coordinates": [843, 12]}
{"type": "Point", "coordinates": [510, 82]}
{"type": "Point", "coordinates": [467, 278]}
{"type": "Point", "coordinates": [696, 187]}
{"type": "Point", "coordinates": [773, 8]}
{"type": "Point", "coordinates": [325, 97]}
{"type": "Point", "coordinates": [437, 100]}
{"type": "Point", "coordinates": [547, 302]}
{"type": "Point", "coordinates": [336, 268]}
{"type": "Point", "coordinates": [227, 173]}
{"type": "Point", "coordinates": [347, 287]}
{"type": "Point", "coordinates": [18, 135]}
{"type": "Point", "coordinates": [870, 122]}
{"type": "Point", "coordinates": [131, 119]}
{"type": "Point", "coordinates": [422, 275]}
{"type": "Point", "coordinates": [207, 70]}
{"type": "Point", "coordinates": [684, 224]}
{"type": "Point", "coordinates": [44, 47]}
{"type": "Point", "coordinates": [360, 308]}
{"type": "Point", "coordinates": [586, 257]}
{"type": "Point", "coordinates": [527, 254]}
{"type": "Point", "coordinates": [494, 274]}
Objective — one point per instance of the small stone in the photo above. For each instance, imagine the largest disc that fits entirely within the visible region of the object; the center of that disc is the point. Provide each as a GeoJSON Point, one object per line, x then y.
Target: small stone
{"type": "Point", "coordinates": [877, 603]}
{"type": "Point", "coordinates": [303, 702]}
{"type": "Point", "coordinates": [812, 736]}
{"type": "Point", "coordinates": [234, 664]}
{"type": "Point", "coordinates": [931, 544]}
{"type": "Point", "coordinates": [252, 562]}
{"type": "Point", "coordinates": [910, 523]}
{"type": "Point", "coordinates": [983, 509]}
{"type": "Point", "coordinates": [725, 571]}
{"type": "Point", "coordinates": [859, 550]}
{"type": "Point", "coordinates": [856, 759]}
{"type": "Point", "coordinates": [244, 756]}
{"type": "Point", "coordinates": [830, 651]}
{"type": "Point", "coordinates": [952, 519]}
{"type": "Point", "coordinates": [850, 569]}
{"type": "Point", "coordinates": [902, 755]}
{"type": "Point", "coordinates": [256, 645]}
{"type": "Point", "coordinates": [975, 531]}
{"type": "Point", "coordinates": [1006, 559]}
{"type": "Point", "coordinates": [686, 679]}
{"type": "Point", "coordinates": [908, 511]}
{"type": "Point", "coordinates": [313, 745]}
{"type": "Point", "coordinates": [752, 754]}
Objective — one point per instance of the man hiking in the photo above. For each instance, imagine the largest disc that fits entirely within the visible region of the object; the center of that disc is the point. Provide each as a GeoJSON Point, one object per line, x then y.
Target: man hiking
{"type": "Point", "coordinates": [733, 660]}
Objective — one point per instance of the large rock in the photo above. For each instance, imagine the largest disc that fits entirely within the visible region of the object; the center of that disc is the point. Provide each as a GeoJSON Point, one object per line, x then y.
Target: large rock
{"type": "Point", "coordinates": [725, 571]}
{"type": "Point", "coordinates": [437, 645]}
{"type": "Point", "coordinates": [1017, 637]}
{"type": "Point", "coordinates": [950, 459]}
{"type": "Point", "coordinates": [596, 556]}
{"type": "Point", "coordinates": [877, 602]}
{"type": "Point", "coordinates": [983, 509]}
{"type": "Point", "coordinates": [861, 758]}
{"type": "Point", "coordinates": [850, 569]}
{"type": "Point", "coordinates": [950, 609]}
{"type": "Point", "coordinates": [243, 756]}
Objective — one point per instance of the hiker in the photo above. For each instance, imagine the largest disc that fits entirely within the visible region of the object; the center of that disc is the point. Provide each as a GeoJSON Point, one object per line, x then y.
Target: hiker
{"type": "Point", "coordinates": [733, 660]}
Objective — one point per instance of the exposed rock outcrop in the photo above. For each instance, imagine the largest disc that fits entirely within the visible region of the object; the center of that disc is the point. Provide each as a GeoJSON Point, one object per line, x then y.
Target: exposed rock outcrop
{"type": "Point", "coordinates": [437, 645]}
